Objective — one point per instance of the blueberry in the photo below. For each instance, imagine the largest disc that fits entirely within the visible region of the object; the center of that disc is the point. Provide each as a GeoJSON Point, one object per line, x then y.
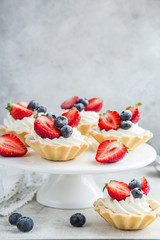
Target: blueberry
{"type": "Point", "coordinates": [137, 192]}
{"type": "Point", "coordinates": [84, 101]}
{"type": "Point", "coordinates": [13, 218]}
{"type": "Point", "coordinates": [135, 183]}
{"type": "Point", "coordinates": [126, 115]}
{"type": "Point", "coordinates": [33, 105]}
{"type": "Point", "coordinates": [79, 106]}
{"type": "Point", "coordinates": [66, 131]}
{"type": "Point", "coordinates": [25, 224]}
{"type": "Point", "coordinates": [42, 109]}
{"type": "Point", "coordinates": [53, 116]}
{"type": "Point", "coordinates": [60, 122]}
{"type": "Point", "coordinates": [50, 115]}
{"type": "Point", "coordinates": [126, 125]}
{"type": "Point", "coordinates": [77, 220]}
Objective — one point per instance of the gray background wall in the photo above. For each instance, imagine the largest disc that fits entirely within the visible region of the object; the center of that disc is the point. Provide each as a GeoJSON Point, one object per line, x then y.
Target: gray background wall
{"type": "Point", "coordinates": [53, 49]}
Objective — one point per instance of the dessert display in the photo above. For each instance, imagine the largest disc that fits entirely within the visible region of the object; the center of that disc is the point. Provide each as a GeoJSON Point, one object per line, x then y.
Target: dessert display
{"type": "Point", "coordinates": [122, 127]}
{"type": "Point", "coordinates": [127, 205]}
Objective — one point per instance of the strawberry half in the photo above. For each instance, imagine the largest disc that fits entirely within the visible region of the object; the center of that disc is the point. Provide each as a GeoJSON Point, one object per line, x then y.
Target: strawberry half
{"type": "Point", "coordinates": [70, 102]}
{"type": "Point", "coordinates": [109, 120]}
{"type": "Point", "coordinates": [135, 112]}
{"type": "Point", "coordinates": [94, 104]}
{"type": "Point", "coordinates": [11, 146]}
{"type": "Point", "coordinates": [73, 117]}
{"type": "Point", "coordinates": [45, 128]}
{"type": "Point", "coordinates": [110, 151]}
{"type": "Point", "coordinates": [145, 185]}
{"type": "Point", "coordinates": [118, 190]}
{"type": "Point", "coordinates": [18, 112]}
{"type": "Point", "coordinates": [23, 104]}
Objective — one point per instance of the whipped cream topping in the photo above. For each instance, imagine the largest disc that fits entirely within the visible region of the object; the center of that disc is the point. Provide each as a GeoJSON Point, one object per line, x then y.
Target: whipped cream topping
{"type": "Point", "coordinates": [130, 205]}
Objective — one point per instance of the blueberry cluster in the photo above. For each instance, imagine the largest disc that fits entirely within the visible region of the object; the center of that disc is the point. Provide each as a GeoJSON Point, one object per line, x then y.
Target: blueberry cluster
{"type": "Point", "coordinates": [135, 186]}
{"type": "Point", "coordinates": [24, 224]}
{"type": "Point", "coordinates": [82, 103]}
{"type": "Point", "coordinates": [126, 116]}
{"type": "Point", "coordinates": [61, 123]}
{"type": "Point", "coordinates": [34, 106]}
{"type": "Point", "coordinates": [77, 220]}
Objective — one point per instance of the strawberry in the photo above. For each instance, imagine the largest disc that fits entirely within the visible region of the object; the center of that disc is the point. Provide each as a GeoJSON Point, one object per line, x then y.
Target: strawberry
{"type": "Point", "coordinates": [118, 190]}
{"type": "Point", "coordinates": [110, 151]}
{"type": "Point", "coordinates": [94, 104]}
{"type": "Point", "coordinates": [109, 120]}
{"type": "Point", "coordinates": [45, 128]}
{"type": "Point", "coordinates": [11, 146]}
{"type": "Point", "coordinates": [23, 104]}
{"type": "Point", "coordinates": [145, 186]}
{"type": "Point", "coordinates": [18, 112]}
{"type": "Point", "coordinates": [73, 117]}
{"type": "Point", "coordinates": [135, 112]}
{"type": "Point", "coordinates": [70, 102]}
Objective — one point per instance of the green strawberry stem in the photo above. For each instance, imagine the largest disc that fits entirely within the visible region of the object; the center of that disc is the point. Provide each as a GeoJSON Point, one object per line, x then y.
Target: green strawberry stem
{"type": "Point", "coordinates": [9, 106]}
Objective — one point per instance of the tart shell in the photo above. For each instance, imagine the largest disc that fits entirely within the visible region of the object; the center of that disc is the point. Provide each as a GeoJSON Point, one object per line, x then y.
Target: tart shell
{"type": "Point", "coordinates": [84, 128]}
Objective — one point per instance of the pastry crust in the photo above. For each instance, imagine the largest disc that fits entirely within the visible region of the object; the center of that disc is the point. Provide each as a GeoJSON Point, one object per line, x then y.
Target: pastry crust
{"type": "Point", "coordinates": [84, 128]}
{"type": "Point", "coordinates": [125, 221]}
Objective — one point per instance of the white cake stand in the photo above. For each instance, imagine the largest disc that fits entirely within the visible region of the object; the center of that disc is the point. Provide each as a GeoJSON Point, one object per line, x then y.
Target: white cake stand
{"type": "Point", "coordinates": [70, 184]}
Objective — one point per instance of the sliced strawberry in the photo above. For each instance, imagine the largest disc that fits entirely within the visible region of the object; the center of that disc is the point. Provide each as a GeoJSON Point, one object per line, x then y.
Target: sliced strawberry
{"type": "Point", "coordinates": [69, 103]}
{"type": "Point", "coordinates": [145, 185]}
{"type": "Point", "coordinates": [45, 128]}
{"type": "Point", "coordinates": [94, 104]}
{"type": "Point", "coordinates": [110, 151]}
{"type": "Point", "coordinates": [18, 112]}
{"type": "Point", "coordinates": [135, 112]}
{"type": "Point", "coordinates": [109, 120]}
{"type": "Point", "coordinates": [11, 146]}
{"type": "Point", "coordinates": [23, 104]}
{"type": "Point", "coordinates": [118, 190]}
{"type": "Point", "coordinates": [73, 117]}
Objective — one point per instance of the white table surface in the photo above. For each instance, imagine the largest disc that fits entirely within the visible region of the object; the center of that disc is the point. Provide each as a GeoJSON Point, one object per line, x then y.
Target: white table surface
{"type": "Point", "coordinates": [54, 223]}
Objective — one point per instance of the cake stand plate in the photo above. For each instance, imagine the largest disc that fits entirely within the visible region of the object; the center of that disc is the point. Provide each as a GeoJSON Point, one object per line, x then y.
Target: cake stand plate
{"type": "Point", "coordinates": [70, 184]}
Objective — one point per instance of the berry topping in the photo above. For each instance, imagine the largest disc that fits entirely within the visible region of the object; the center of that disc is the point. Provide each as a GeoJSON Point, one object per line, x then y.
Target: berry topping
{"type": "Point", "coordinates": [126, 115]}
{"type": "Point", "coordinates": [73, 117]}
{"type": "Point", "coordinates": [94, 104]}
{"type": "Point", "coordinates": [13, 218]}
{"type": "Point", "coordinates": [135, 112]}
{"type": "Point", "coordinates": [66, 131]}
{"type": "Point", "coordinates": [109, 120]}
{"type": "Point", "coordinates": [126, 125]}
{"type": "Point", "coordinates": [33, 105]}
{"type": "Point", "coordinates": [50, 115]}
{"type": "Point", "coordinates": [110, 151]}
{"type": "Point", "coordinates": [25, 224]}
{"type": "Point", "coordinates": [41, 109]}
{"type": "Point", "coordinates": [18, 112]}
{"type": "Point", "coordinates": [11, 146]}
{"type": "Point", "coordinates": [77, 220]}
{"type": "Point", "coordinates": [23, 104]}
{"type": "Point", "coordinates": [145, 185]}
{"type": "Point", "coordinates": [135, 183]}
{"type": "Point", "coordinates": [79, 106]}
{"type": "Point", "coordinates": [60, 122]}
{"type": "Point", "coordinates": [137, 192]}
{"type": "Point", "coordinates": [45, 128]}
{"type": "Point", "coordinates": [84, 101]}
{"type": "Point", "coordinates": [70, 102]}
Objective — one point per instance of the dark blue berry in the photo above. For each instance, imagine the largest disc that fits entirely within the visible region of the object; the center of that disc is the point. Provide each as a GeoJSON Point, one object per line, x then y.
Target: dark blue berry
{"type": "Point", "coordinates": [135, 183]}
{"type": "Point", "coordinates": [41, 109]}
{"type": "Point", "coordinates": [13, 218]}
{"type": "Point", "coordinates": [53, 116]}
{"type": "Point", "coordinates": [33, 105]}
{"type": "Point", "coordinates": [126, 115]}
{"type": "Point", "coordinates": [77, 220]}
{"type": "Point", "coordinates": [25, 224]}
{"type": "Point", "coordinates": [60, 122]}
{"type": "Point", "coordinates": [126, 125]}
{"type": "Point", "coordinates": [66, 131]}
{"type": "Point", "coordinates": [79, 106]}
{"type": "Point", "coordinates": [50, 115]}
{"type": "Point", "coordinates": [137, 192]}
{"type": "Point", "coordinates": [84, 101]}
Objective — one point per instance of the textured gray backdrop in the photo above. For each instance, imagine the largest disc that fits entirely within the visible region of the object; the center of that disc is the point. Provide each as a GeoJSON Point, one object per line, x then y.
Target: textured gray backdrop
{"type": "Point", "coordinates": [53, 49]}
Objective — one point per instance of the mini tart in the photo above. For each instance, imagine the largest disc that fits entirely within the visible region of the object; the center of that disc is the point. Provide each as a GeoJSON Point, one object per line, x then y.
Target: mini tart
{"type": "Point", "coordinates": [126, 221]}
{"type": "Point", "coordinates": [84, 128]}
{"type": "Point", "coordinates": [55, 152]}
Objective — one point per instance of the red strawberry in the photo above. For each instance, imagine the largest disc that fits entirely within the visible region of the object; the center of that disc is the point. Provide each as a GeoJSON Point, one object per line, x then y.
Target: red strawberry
{"type": "Point", "coordinates": [109, 120]}
{"type": "Point", "coordinates": [73, 117]}
{"type": "Point", "coordinates": [11, 146]}
{"type": "Point", "coordinates": [118, 190]}
{"type": "Point", "coordinates": [45, 128]}
{"type": "Point", "coordinates": [94, 104]}
{"type": "Point", "coordinates": [18, 112]}
{"type": "Point", "coordinates": [145, 186]}
{"type": "Point", "coordinates": [70, 102]}
{"type": "Point", "coordinates": [135, 112]}
{"type": "Point", "coordinates": [110, 151]}
{"type": "Point", "coordinates": [23, 104]}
